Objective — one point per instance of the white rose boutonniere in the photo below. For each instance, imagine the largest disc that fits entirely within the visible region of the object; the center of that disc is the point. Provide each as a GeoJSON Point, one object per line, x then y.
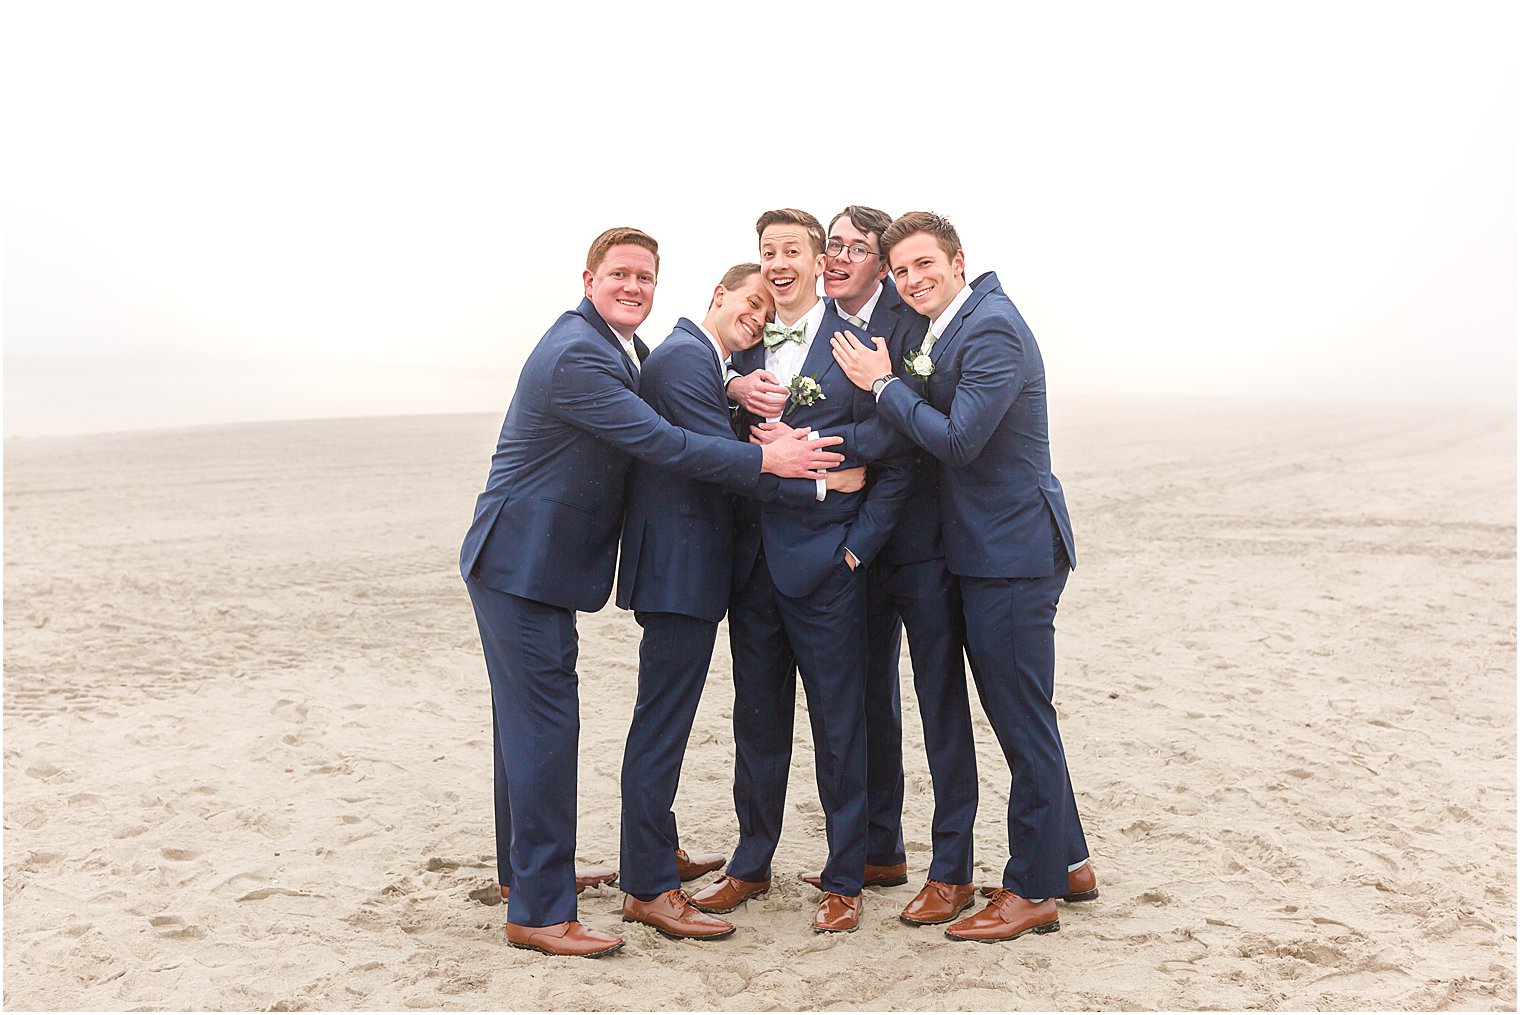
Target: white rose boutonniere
{"type": "Point", "coordinates": [918, 364]}
{"type": "Point", "coordinates": [804, 391]}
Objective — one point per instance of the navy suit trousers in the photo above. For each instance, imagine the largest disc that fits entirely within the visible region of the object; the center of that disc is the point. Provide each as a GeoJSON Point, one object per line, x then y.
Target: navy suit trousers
{"type": "Point", "coordinates": [926, 599]}
{"type": "Point", "coordinates": [1011, 641]}
{"type": "Point", "coordinates": [674, 655]}
{"type": "Point", "coordinates": [530, 651]}
{"type": "Point", "coordinates": [822, 636]}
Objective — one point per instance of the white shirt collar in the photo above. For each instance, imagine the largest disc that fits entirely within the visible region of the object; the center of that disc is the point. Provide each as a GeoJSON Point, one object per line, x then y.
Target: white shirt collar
{"type": "Point", "coordinates": [940, 323]}
{"type": "Point", "coordinates": [870, 306]}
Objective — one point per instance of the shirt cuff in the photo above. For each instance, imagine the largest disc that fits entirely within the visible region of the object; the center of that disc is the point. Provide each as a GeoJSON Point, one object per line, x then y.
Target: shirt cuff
{"type": "Point", "coordinates": [823, 486]}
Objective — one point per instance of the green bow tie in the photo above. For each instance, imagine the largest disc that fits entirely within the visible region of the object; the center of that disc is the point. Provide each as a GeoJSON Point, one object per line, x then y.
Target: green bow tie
{"type": "Point", "coordinates": [776, 334]}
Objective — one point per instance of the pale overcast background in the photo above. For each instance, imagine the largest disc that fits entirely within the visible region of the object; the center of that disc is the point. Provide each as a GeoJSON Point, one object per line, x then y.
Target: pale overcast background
{"type": "Point", "coordinates": [239, 211]}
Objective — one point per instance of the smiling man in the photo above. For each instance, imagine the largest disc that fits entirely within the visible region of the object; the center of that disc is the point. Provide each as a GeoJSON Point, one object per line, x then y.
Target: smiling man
{"type": "Point", "coordinates": [675, 574]}
{"type": "Point", "coordinates": [543, 545]}
{"type": "Point", "coordinates": [907, 586]}
{"type": "Point", "coordinates": [799, 597]}
{"type": "Point", "coordinates": [975, 400]}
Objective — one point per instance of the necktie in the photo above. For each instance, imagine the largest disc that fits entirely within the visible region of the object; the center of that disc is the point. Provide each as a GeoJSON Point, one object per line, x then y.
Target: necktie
{"type": "Point", "coordinates": [776, 334]}
{"type": "Point", "coordinates": [855, 321]}
{"type": "Point", "coordinates": [929, 340]}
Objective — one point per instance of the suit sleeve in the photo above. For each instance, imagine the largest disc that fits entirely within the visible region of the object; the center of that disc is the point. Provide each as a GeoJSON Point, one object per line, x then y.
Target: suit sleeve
{"type": "Point", "coordinates": [689, 402]}
{"type": "Point", "coordinates": [991, 374]}
{"type": "Point", "coordinates": [590, 392]}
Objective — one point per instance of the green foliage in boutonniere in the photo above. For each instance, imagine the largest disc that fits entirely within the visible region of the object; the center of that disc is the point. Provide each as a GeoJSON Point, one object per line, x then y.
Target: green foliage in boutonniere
{"type": "Point", "coordinates": [804, 390]}
{"type": "Point", "coordinates": [918, 364]}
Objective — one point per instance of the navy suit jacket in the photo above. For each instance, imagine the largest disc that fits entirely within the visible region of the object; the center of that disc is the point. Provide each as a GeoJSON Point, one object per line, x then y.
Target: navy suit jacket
{"type": "Point", "coordinates": [918, 532]}
{"type": "Point", "coordinates": [546, 526]}
{"type": "Point", "coordinates": [984, 418]}
{"type": "Point", "coordinates": [802, 545]}
{"type": "Point", "coordinates": [678, 533]}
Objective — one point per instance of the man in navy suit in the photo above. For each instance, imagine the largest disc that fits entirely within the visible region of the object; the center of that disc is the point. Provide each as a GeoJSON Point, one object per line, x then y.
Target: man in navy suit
{"type": "Point", "coordinates": [981, 412]}
{"type": "Point", "coordinates": [799, 600]}
{"type": "Point", "coordinates": [676, 574]}
{"type": "Point", "coordinates": [907, 585]}
{"type": "Point", "coordinates": [543, 545]}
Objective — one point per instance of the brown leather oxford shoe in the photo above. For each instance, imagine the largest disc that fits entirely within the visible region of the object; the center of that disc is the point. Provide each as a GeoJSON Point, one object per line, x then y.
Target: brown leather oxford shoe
{"type": "Point", "coordinates": [725, 894]}
{"type": "Point", "coordinates": [689, 867]}
{"type": "Point", "coordinates": [585, 877]}
{"type": "Point", "coordinates": [568, 938]}
{"type": "Point", "coordinates": [673, 915]}
{"type": "Point", "coordinates": [1081, 885]}
{"type": "Point", "coordinates": [884, 876]}
{"type": "Point", "coordinates": [937, 902]}
{"type": "Point", "coordinates": [837, 914]}
{"type": "Point", "coordinates": [1005, 917]}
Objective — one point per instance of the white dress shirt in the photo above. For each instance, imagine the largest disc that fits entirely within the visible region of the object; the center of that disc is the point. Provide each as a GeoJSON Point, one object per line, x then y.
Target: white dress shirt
{"type": "Point", "coordinates": [786, 359]}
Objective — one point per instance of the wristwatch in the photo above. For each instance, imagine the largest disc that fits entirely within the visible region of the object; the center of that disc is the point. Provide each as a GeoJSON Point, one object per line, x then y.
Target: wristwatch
{"type": "Point", "coordinates": [880, 383]}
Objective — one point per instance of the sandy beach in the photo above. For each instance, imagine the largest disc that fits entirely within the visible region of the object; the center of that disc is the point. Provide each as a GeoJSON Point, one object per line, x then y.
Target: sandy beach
{"type": "Point", "coordinates": [247, 745]}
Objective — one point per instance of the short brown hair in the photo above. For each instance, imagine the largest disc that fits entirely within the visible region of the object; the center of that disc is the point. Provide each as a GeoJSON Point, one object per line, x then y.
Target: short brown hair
{"type": "Point", "coordinates": [736, 276]}
{"type": "Point", "coordinates": [867, 219]}
{"type": "Point", "coordinates": [935, 225]}
{"type": "Point", "coordinates": [796, 217]}
{"type": "Point", "coordinates": [618, 235]}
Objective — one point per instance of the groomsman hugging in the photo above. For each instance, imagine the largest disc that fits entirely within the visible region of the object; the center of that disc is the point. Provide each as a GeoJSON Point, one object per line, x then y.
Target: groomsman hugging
{"type": "Point", "coordinates": [799, 602]}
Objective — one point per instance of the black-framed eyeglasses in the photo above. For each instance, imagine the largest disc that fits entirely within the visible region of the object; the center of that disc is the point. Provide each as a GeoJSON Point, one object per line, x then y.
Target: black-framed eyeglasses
{"type": "Point", "coordinates": [857, 253]}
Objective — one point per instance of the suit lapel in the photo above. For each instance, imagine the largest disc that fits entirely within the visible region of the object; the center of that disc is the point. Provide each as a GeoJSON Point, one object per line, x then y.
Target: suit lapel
{"type": "Point", "coordinates": [979, 290]}
{"type": "Point", "coordinates": [820, 357]}
{"type": "Point", "coordinates": [588, 311]}
{"type": "Point", "coordinates": [695, 331]}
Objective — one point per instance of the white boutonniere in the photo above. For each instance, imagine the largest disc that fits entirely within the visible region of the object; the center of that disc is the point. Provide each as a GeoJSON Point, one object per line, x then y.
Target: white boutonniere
{"type": "Point", "coordinates": [804, 391]}
{"type": "Point", "coordinates": [918, 364]}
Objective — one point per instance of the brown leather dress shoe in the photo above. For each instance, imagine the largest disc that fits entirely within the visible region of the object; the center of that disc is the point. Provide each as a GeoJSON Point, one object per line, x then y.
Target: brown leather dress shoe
{"type": "Point", "coordinates": [568, 938]}
{"type": "Point", "coordinates": [673, 915]}
{"type": "Point", "coordinates": [1006, 917]}
{"type": "Point", "coordinates": [1081, 885]}
{"type": "Point", "coordinates": [689, 868]}
{"type": "Point", "coordinates": [837, 914]}
{"type": "Point", "coordinates": [884, 876]}
{"type": "Point", "coordinates": [585, 877]}
{"type": "Point", "coordinates": [937, 902]}
{"type": "Point", "coordinates": [725, 894]}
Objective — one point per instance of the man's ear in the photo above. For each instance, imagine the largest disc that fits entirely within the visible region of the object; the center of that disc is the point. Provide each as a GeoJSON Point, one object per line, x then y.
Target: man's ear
{"type": "Point", "coordinates": [958, 263]}
{"type": "Point", "coordinates": [586, 278]}
{"type": "Point", "coordinates": [717, 296]}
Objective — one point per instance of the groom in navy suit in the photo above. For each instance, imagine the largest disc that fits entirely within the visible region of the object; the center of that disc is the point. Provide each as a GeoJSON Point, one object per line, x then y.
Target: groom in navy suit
{"type": "Point", "coordinates": [979, 408]}
{"type": "Point", "coordinates": [543, 545]}
{"type": "Point", "coordinates": [799, 600]}
{"type": "Point", "coordinates": [907, 586]}
{"type": "Point", "coordinates": [676, 575]}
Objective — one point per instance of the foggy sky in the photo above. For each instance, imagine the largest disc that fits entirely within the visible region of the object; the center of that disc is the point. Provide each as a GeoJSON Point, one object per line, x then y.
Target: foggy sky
{"type": "Point", "coordinates": [239, 211]}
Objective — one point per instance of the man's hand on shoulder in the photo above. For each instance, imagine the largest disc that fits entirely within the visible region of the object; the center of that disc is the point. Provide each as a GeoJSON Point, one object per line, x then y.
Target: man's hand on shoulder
{"type": "Point", "coordinates": [758, 393]}
{"type": "Point", "coordinates": [861, 363]}
{"type": "Point", "coordinates": [798, 456]}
